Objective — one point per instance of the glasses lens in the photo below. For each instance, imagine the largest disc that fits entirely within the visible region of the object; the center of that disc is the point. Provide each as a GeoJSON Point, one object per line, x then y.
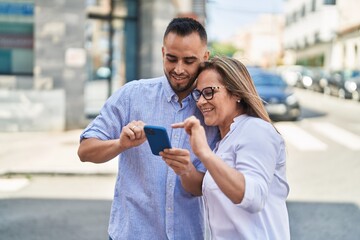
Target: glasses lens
{"type": "Point", "coordinates": [196, 94]}
{"type": "Point", "coordinates": [208, 93]}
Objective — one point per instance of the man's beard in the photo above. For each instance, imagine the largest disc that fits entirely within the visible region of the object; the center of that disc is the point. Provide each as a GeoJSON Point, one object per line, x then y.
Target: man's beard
{"type": "Point", "coordinates": [179, 88]}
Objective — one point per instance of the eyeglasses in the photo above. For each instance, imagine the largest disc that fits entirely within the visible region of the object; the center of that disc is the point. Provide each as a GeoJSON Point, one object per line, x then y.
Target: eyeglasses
{"type": "Point", "coordinates": [207, 93]}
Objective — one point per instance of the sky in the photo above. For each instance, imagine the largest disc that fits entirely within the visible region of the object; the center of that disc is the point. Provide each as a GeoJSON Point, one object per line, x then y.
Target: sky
{"type": "Point", "coordinates": [225, 17]}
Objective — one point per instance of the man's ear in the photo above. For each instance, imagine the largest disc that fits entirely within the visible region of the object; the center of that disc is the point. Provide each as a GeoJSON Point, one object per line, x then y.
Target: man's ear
{"type": "Point", "coordinates": [163, 51]}
{"type": "Point", "coordinates": [207, 55]}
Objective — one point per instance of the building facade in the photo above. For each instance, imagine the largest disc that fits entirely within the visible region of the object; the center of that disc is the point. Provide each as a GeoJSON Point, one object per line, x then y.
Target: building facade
{"type": "Point", "coordinates": [322, 33]}
{"type": "Point", "coordinates": [346, 49]}
{"type": "Point", "coordinates": [309, 30]}
{"type": "Point", "coordinates": [261, 42]}
{"type": "Point", "coordinates": [55, 54]}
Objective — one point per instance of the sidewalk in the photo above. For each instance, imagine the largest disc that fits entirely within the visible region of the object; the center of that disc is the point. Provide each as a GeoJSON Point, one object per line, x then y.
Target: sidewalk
{"type": "Point", "coordinates": [46, 153]}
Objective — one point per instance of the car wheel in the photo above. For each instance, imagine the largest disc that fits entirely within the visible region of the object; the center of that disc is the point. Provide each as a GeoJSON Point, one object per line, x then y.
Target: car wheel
{"type": "Point", "coordinates": [341, 93]}
{"type": "Point", "coordinates": [327, 91]}
{"type": "Point", "coordinates": [356, 96]}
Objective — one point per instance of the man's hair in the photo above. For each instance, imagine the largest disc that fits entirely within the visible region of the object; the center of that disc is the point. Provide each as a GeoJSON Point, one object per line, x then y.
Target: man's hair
{"type": "Point", "coordinates": [186, 26]}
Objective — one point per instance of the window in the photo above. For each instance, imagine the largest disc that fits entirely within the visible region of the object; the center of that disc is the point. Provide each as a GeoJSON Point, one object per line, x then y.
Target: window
{"type": "Point", "coordinates": [329, 2]}
{"type": "Point", "coordinates": [294, 17]}
{"type": "Point", "coordinates": [111, 35]}
{"type": "Point", "coordinates": [313, 5]}
{"type": "Point", "coordinates": [111, 44]}
{"type": "Point", "coordinates": [303, 11]}
{"type": "Point", "coordinates": [356, 50]}
{"type": "Point", "coordinates": [16, 38]}
{"type": "Point", "coordinates": [317, 37]}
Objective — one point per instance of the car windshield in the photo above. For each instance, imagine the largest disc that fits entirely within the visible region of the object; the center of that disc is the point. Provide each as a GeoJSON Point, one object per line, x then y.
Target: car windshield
{"type": "Point", "coordinates": [264, 79]}
{"type": "Point", "coordinates": [351, 74]}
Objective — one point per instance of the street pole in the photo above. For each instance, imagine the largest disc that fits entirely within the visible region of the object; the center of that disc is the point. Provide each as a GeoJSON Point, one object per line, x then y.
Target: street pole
{"type": "Point", "coordinates": [111, 47]}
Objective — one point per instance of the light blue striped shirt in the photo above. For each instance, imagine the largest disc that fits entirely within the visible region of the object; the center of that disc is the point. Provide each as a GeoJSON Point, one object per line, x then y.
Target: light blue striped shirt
{"type": "Point", "coordinates": [149, 200]}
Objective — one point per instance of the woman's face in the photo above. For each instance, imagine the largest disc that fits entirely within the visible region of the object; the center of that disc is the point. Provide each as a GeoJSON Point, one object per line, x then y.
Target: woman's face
{"type": "Point", "coordinates": [222, 108]}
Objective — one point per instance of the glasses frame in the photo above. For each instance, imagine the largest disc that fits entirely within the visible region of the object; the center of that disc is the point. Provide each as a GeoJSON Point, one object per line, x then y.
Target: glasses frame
{"type": "Point", "coordinates": [201, 93]}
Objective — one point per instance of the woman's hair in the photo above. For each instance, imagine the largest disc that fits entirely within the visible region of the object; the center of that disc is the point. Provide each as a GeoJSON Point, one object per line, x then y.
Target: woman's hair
{"type": "Point", "coordinates": [236, 78]}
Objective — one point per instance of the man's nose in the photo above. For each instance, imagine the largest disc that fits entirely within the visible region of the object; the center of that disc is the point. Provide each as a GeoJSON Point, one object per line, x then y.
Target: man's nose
{"type": "Point", "coordinates": [179, 68]}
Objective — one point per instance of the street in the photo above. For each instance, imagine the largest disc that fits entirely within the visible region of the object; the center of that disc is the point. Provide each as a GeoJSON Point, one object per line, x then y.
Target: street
{"type": "Point", "coordinates": [58, 208]}
{"type": "Point", "coordinates": [323, 167]}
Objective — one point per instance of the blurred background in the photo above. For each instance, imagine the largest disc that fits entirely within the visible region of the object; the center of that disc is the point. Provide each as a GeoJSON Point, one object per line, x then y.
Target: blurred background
{"type": "Point", "coordinates": [60, 60]}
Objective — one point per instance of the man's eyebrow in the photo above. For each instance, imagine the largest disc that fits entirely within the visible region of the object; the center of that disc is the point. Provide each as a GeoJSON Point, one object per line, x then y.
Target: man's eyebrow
{"type": "Point", "coordinates": [170, 55]}
{"type": "Point", "coordinates": [185, 58]}
{"type": "Point", "coordinates": [190, 58]}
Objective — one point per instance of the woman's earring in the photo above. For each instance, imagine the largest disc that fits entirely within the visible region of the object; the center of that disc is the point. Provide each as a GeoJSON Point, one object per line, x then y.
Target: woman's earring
{"type": "Point", "coordinates": [238, 101]}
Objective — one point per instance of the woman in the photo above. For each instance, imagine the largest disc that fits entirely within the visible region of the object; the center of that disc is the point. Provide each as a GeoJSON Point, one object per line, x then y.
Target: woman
{"type": "Point", "coordinates": [245, 187]}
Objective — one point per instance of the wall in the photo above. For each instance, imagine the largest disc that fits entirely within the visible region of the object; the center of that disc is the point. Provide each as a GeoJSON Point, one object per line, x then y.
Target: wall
{"type": "Point", "coordinates": [155, 15]}
{"type": "Point", "coordinates": [60, 58]}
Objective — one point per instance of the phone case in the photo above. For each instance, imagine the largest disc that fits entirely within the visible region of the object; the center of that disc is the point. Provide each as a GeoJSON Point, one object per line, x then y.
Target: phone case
{"type": "Point", "coordinates": [157, 137]}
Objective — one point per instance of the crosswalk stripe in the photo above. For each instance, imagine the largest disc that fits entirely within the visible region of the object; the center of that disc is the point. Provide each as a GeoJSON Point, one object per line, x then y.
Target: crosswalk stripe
{"type": "Point", "coordinates": [299, 138]}
{"type": "Point", "coordinates": [339, 135]}
{"type": "Point", "coordinates": [12, 184]}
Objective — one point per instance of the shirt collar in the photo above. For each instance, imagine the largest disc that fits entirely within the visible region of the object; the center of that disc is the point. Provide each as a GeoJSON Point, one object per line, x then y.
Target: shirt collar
{"type": "Point", "coordinates": [171, 95]}
{"type": "Point", "coordinates": [237, 120]}
{"type": "Point", "coordinates": [169, 92]}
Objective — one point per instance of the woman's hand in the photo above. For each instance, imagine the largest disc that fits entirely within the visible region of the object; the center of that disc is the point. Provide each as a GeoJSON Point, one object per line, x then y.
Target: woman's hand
{"type": "Point", "coordinates": [179, 160]}
{"type": "Point", "coordinates": [198, 140]}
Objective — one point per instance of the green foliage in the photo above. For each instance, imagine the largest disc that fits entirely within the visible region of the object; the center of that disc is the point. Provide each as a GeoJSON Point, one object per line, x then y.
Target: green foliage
{"type": "Point", "coordinates": [222, 49]}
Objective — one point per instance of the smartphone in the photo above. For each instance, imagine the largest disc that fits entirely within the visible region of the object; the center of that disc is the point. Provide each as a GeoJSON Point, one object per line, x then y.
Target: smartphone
{"type": "Point", "coordinates": [157, 137]}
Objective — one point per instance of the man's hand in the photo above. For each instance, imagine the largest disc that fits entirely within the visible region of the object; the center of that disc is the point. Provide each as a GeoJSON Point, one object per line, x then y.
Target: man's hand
{"type": "Point", "coordinates": [132, 135]}
{"type": "Point", "coordinates": [100, 151]}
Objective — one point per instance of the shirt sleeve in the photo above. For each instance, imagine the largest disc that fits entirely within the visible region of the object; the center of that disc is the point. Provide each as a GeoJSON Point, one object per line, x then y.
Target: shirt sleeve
{"type": "Point", "coordinates": [256, 158]}
{"type": "Point", "coordinates": [112, 117]}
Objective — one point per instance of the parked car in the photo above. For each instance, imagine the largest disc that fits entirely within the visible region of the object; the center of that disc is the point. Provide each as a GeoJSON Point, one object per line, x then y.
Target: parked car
{"type": "Point", "coordinates": [278, 97]}
{"type": "Point", "coordinates": [293, 74]}
{"type": "Point", "coordinates": [315, 78]}
{"type": "Point", "coordinates": [352, 85]}
{"type": "Point", "coordinates": [341, 83]}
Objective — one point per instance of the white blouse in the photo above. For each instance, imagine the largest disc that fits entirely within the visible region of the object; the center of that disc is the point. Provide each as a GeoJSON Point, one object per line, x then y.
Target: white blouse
{"type": "Point", "coordinates": [254, 148]}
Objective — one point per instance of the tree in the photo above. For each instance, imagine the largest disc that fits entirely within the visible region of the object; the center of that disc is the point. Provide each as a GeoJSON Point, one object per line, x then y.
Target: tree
{"type": "Point", "coordinates": [222, 49]}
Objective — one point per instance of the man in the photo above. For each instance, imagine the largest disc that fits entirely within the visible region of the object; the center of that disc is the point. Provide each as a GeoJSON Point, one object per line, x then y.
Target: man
{"type": "Point", "coordinates": [149, 200]}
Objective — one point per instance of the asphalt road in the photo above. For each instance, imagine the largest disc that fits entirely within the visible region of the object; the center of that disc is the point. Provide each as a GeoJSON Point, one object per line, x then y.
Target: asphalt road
{"type": "Point", "coordinates": [323, 168]}
{"type": "Point", "coordinates": [45, 210]}
{"type": "Point", "coordinates": [57, 207]}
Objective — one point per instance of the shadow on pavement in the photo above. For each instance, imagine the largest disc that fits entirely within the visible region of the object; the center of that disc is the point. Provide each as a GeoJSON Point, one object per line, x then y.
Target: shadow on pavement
{"type": "Point", "coordinates": [55, 219]}
{"type": "Point", "coordinates": [74, 219]}
{"type": "Point", "coordinates": [310, 113]}
{"type": "Point", "coordinates": [322, 221]}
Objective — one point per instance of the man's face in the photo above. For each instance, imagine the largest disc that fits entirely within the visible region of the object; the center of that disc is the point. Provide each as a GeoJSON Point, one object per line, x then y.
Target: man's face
{"type": "Point", "coordinates": [181, 59]}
